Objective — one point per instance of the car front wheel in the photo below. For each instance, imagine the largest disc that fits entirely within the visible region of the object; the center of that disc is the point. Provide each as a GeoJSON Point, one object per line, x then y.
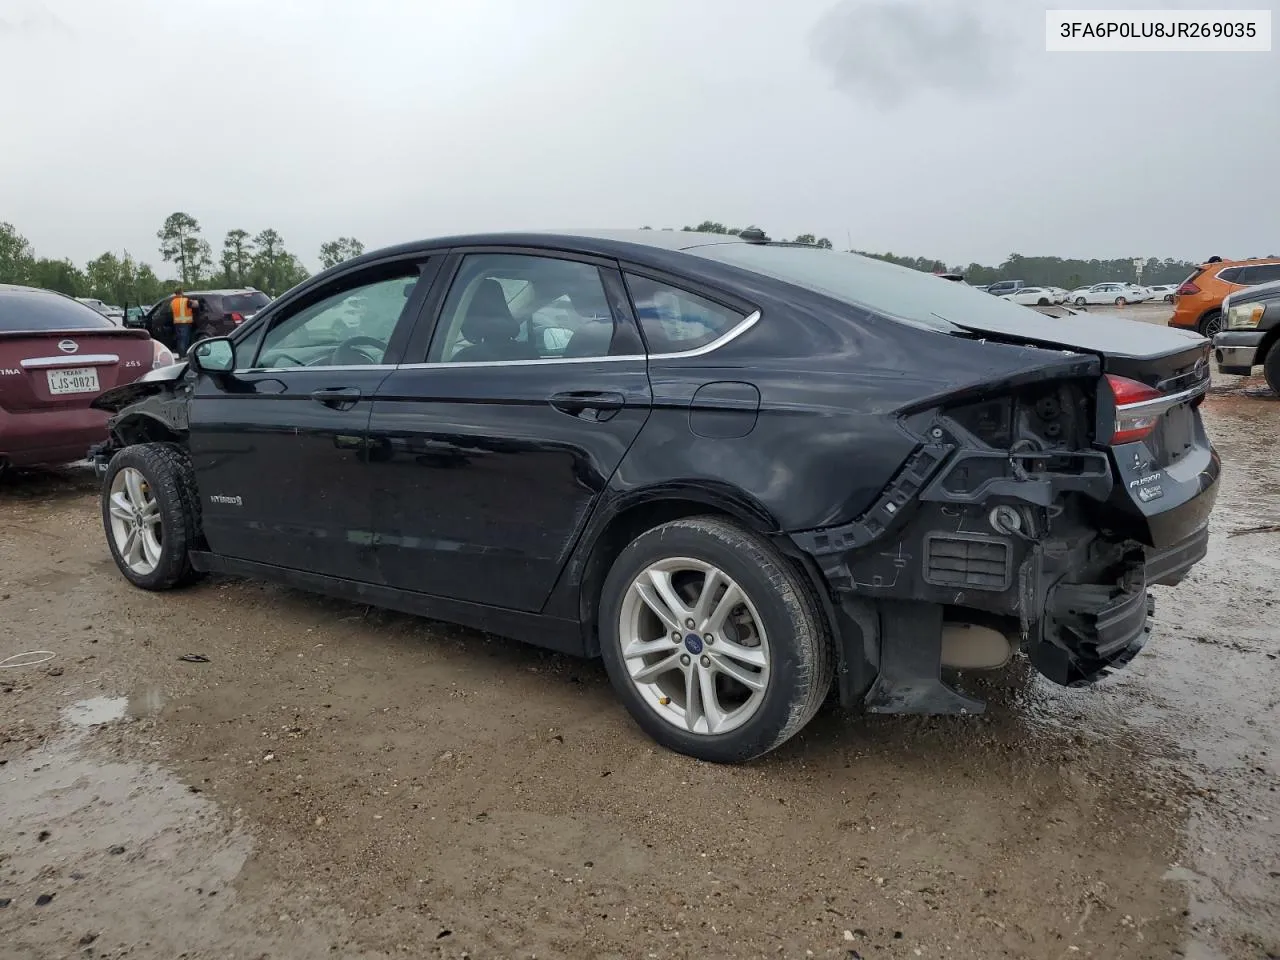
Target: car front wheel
{"type": "Point", "coordinates": [1271, 368]}
{"type": "Point", "coordinates": [150, 511]}
{"type": "Point", "coordinates": [714, 642]}
{"type": "Point", "coordinates": [1080, 301]}
{"type": "Point", "coordinates": [1121, 301]}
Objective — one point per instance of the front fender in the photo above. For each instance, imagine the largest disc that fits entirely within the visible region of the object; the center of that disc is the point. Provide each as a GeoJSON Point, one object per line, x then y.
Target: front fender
{"type": "Point", "coordinates": [159, 380]}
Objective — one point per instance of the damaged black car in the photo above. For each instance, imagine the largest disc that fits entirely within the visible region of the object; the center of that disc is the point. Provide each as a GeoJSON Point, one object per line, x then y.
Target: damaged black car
{"type": "Point", "coordinates": [746, 474]}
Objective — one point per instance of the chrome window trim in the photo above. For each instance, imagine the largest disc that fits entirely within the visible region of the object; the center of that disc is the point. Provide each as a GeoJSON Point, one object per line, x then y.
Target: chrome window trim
{"type": "Point", "coordinates": [738, 329]}
{"type": "Point", "coordinates": [318, 369]}
{"type": "Point", "coordinates": [70, 360]}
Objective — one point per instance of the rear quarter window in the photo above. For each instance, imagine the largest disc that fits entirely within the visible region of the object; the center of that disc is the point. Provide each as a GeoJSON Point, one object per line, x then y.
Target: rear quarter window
{"type": "Point", "coordinates": [43, 310]}
{"type": "Point", "coordinates": [674, 320]}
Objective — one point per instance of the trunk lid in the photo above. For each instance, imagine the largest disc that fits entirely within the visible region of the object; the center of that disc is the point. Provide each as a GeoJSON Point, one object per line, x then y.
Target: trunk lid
{"type": "Point", "coordinates": [51, 370]}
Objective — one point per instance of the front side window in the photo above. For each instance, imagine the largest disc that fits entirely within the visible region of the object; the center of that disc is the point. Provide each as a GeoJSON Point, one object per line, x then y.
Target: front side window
{"type": "Point", "coordinates": [351, 327]}
{"type": "Point", "coordinates": [674, 320]}
{"type": "Point", "coordinates": [504, 307]}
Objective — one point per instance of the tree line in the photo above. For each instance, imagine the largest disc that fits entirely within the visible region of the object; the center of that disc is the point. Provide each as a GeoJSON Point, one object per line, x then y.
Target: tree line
{"type": "Point", "coordinates": [261, 260]}
{"type": "Point", "coordinates": [1041, 271]}
{"type": "Point", "coordinates": [258, 260]}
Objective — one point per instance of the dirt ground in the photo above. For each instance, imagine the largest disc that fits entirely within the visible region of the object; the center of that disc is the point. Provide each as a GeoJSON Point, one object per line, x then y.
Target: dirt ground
{"type": "Point", "coordinates": [336, 781]}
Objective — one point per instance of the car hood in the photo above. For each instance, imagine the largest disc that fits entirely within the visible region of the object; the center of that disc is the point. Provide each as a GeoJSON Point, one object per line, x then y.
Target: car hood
{"type": "Point", "coordinates": [1109, 336]}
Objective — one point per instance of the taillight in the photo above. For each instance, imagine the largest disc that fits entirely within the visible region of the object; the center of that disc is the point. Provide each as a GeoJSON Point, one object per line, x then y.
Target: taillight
{"type": "Point", "coordinates": [161, 356]}
{"type": "Point", "coordinates": [1187, 289]}
{"type": "Point", "coordinates": [1134, 419]}
{"type": "Point", "coordinates": [236, 318]}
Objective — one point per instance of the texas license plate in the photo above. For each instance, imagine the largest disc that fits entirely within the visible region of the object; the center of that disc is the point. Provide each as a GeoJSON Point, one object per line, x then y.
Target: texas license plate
{"type": "Point", "coordinates": [73, 380]}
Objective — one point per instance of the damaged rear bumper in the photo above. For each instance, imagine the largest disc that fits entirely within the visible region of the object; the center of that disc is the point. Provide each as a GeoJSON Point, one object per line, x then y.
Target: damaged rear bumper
{"type": "Point", "coordinates": [1074, 601]}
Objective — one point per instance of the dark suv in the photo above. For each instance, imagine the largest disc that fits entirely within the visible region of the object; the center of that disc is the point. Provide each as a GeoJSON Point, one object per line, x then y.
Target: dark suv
{"type": "Point", "coordinates": [1250, 334]}
{"type": "Point", "coordinates": [740, 472]}
{"type": "Point", "coordinates": [216, 313]}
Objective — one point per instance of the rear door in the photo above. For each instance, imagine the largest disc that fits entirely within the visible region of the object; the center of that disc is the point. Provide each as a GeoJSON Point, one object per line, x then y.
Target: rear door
{"type": "Point", "coordinates": [279, 446]}
{"type": "Point", "coordinates": [491, 445]}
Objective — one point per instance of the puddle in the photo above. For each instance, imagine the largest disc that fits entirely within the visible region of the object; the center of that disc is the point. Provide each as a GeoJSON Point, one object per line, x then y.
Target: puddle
{"type": "Point", "coordinates": [88, 713]}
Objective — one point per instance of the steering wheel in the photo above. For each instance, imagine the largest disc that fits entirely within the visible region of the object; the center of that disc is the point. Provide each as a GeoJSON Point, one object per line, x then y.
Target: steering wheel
{"type": "Point", "coordinates": [348, 352]}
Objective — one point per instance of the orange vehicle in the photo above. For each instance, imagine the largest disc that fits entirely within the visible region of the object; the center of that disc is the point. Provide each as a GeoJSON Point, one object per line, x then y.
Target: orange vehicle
{"type": "Point", "coordinates": [1199, 299]}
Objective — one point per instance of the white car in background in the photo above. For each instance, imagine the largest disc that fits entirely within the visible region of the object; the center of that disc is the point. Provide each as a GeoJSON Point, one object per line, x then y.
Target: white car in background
{"type": "Point", "coordinates": [1059, 294]}
{"type": "Point", "coordinates": [1031, 296]}
{"type": "Point", "coordinates": [1164, 291]}
{"type": "Point", "coordinates": [1110, 292]}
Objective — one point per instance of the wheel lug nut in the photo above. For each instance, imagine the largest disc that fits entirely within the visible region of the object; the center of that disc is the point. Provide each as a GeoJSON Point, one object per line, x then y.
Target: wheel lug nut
{"type": "Point", "coordinates": [705, 661]}
{"type": "Point", "coordinates": [689, 623]}
{"type": "Point", "coordinates": [675, 636]}
{"type": "Point", "coordinates": [710, 638]}
{"type": "Point", "coordinates": [684, 659]}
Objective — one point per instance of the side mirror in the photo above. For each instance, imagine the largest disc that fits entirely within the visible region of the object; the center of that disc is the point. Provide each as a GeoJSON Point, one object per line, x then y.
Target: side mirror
{"type": "Point", "coordinates": [215, 355]}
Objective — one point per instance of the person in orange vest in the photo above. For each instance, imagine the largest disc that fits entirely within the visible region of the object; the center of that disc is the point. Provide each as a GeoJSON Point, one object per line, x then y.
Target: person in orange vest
{"type": "Point", "coordinates": [181, 322]}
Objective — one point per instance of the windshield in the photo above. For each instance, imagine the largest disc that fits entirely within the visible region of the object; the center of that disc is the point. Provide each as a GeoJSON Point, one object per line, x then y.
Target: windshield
{"type": "Point", "coordinates": [884, 288]}
{"type": "Point", "coordinates": [22, 309]}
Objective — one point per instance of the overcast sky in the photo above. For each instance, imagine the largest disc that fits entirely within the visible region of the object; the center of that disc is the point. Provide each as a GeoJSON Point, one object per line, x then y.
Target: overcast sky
{"type": "Point", "coordinates": [917, 126]}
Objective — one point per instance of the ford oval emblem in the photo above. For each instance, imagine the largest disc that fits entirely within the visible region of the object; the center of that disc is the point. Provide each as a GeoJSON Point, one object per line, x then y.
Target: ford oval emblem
{"type": "Point", "coordinates": [68, 346]}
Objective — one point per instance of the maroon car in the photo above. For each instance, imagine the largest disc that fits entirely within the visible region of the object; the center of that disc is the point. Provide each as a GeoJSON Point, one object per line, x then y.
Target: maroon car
{"type": "Point", "coordinates": [56, 355]}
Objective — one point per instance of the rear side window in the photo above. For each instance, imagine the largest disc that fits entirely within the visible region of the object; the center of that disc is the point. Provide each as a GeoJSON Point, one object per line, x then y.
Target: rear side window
{"type": "Point", "coordinates": [1230, 275]}
{"type": "Point", "coordinates": [41, 310]}
{"type": "Point", "coordinates": [244, 302]}
{"type": "Point", "coordinates": [1263, 273]}
{"type": "Point", "coordinates": [674, 320]}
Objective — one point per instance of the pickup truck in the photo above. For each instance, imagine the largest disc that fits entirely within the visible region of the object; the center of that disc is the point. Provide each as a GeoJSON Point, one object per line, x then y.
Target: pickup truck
{"type": "Point", "coordinates": [1250, 333]}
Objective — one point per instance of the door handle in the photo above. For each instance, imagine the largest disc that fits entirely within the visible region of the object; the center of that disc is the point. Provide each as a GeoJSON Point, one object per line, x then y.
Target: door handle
{"type": "Point", "coordinates": [589, 404]}
{"type": "Point", "coordinates": [338, 398]}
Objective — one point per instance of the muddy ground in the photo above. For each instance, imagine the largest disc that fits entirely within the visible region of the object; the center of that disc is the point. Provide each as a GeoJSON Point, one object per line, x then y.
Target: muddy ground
{"type": "Point", "coordinates": [342, 782]}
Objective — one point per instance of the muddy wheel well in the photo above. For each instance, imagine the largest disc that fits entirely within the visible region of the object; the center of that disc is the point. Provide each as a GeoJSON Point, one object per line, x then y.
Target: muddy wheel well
{"type": "Point", "coordinates": [143, 429]}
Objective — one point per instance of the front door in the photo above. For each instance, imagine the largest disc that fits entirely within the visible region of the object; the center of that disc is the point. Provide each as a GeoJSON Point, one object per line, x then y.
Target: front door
{"type": "Point", "coordinates": [279, 447]}
{"type": "Point", "coordinates": [488, 455]}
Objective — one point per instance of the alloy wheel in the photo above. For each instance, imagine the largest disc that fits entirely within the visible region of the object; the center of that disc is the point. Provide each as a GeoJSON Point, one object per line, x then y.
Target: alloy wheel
{"type": "Point", "coordinates": [135, 521]}
{"type": "Point", "coordinates": [694, 645]}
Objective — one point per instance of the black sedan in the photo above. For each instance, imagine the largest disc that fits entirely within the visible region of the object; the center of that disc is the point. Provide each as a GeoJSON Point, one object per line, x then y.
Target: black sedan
{"type": "Point", "coordinates": [741, 472]}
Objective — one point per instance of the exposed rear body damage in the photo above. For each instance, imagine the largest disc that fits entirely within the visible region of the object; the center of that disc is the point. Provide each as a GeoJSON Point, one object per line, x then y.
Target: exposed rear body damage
{"type": "Point", "coordinates": [1019, 510]}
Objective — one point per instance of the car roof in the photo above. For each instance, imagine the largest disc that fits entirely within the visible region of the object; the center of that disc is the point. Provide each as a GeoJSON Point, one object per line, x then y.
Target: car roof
{"type": "Point", "coordinates": [1219, 264]}
{"type": "Point", "coordinates": [222, 293]}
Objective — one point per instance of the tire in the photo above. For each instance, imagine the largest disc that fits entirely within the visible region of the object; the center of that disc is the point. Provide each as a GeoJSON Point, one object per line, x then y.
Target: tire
{"type": "Point", "coordinates": [1042, 302]}
{"type": "Point", "coordinates": [167, 481]}
{"type": "Point", "coordinates": [1210, 324]}
{"type": "Point", "coordinates": [1271, 368]}
{"type": "Point", "coordinates": [791, 659]}
{"type": "Point", "coordinates": [1168, 298]}
{"type": "Point", "coordinates": [1121, 301]}
{"type": "Point", "coordinates": [1080, 301]}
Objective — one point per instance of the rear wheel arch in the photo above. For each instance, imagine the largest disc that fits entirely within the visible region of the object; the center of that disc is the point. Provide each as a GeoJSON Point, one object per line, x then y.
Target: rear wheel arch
{"type": "Point", "coordinates": [641, 513]}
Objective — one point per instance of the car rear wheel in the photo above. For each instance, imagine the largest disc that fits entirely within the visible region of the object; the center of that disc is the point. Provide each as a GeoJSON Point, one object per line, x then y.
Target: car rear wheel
{"type": "Point", "coordinates": [713, 641]}
{"type": "Point", "coordinates": [1271, 368]}
{"type": "Point", "coordinates": [1121, 301]}
{"type": "Point", "coordinates": [1080, 301]}
{"type": "Point", "coordinates": [1211, 324]}
{"type": "Point", "coordinates": [1168, 298]}
{"type": "Point", "coordinates": [1042, 302]}
{"type": "Point", "coordinates": [150, 511]}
